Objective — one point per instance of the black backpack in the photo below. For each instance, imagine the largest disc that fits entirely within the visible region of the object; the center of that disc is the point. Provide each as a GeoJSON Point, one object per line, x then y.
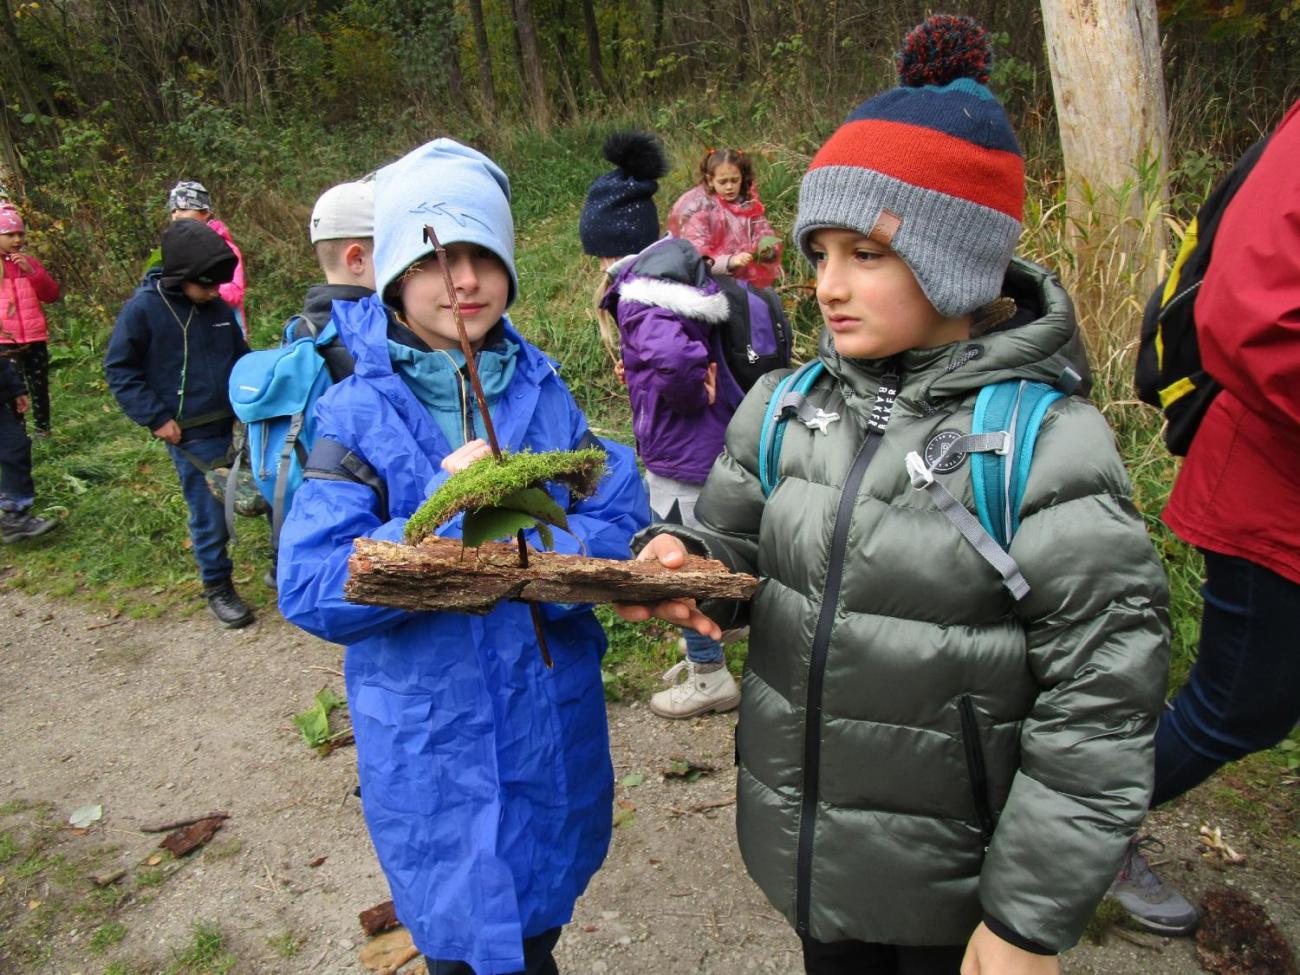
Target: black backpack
{"type": "Point", "coordinates": [756, 336]}
{"type": "Point", "coordinates": [1169, 374]}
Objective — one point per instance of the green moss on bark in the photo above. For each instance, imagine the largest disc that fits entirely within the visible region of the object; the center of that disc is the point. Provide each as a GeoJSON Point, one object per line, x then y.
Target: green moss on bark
{"type": "Point", "coordinates": [484, 484]}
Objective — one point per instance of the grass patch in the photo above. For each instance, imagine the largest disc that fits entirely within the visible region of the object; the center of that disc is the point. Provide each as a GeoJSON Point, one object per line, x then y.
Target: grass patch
{"type": "Point", "coordinates": [106, 936]}
{"type": "Point", "coordinates": [286, 945]}
{"type": "Point", "coordinates": [206, 953]}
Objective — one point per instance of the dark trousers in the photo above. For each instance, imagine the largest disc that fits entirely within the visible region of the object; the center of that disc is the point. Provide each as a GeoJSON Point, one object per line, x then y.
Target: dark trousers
{"type": "Point", "coordinates": [208, 535]}
{"type": "Point", "coordinates": [864, 958]}
{"type": "Point", "coordinates": [34, 360]}
{"type": "Point", "coordinates": [16, 488]}
{"type": "Point", "coordinates": [1243, 693]}
{"type": "Point", "coordinates": [537, 958]}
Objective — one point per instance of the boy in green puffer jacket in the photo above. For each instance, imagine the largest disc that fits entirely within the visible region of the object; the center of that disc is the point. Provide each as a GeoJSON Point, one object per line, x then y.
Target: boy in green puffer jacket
{"type": "Point", "coordinates": [939, 771]}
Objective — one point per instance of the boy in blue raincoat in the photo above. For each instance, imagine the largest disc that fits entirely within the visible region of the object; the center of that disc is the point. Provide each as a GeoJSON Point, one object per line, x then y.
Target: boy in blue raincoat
{"type": "Point", "coordinates": [485, 777]}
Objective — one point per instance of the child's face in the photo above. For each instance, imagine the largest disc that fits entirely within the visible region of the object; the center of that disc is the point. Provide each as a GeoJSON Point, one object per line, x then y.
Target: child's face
{"type": "Point", "coordinates": [203, 216]}
{"type": "Point", "coordinates": [872, 302]}
{"type": "Point", "coordinates": [725, 181]}
{"type": "Point", "coordinates": [482, 286]}
{"type": "Point", "coordinates": [200, 294]}
{"type": "Point", "coordinates": [13, 242]}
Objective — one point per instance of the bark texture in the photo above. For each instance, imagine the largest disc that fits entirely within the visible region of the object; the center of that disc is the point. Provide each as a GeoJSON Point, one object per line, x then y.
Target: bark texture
{"type": "Point", "coordinates": [441, 574]}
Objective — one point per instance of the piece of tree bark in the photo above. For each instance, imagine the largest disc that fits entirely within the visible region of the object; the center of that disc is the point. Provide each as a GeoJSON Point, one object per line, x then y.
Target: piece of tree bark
{"type": "Point", "coordinates": [487, 90]}
{"type": "Point", "coordinates": [191, 837]}
{"type": "Point", "coordinates": [381, 917]}
{"type": "Point", "coordinates": [530, 50]}
{"type": "Point", "coordinates": [441, 574]}
{"type": "Point", "coordinates": [1108, 84]}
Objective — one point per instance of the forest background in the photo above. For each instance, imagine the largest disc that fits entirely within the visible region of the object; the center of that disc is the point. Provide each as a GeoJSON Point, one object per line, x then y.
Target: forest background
{"type": "Point", "coordinates": [104, 105]}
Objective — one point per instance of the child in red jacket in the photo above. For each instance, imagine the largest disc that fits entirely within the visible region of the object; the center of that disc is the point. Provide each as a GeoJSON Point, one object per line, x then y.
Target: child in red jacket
{"type": "Point", "coordinates": [25, 285]}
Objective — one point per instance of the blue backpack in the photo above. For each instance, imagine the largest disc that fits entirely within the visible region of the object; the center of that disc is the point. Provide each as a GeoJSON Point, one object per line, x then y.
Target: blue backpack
{"type": "Point", "coordinates": [274, 393]}
{"type": "Point", "coordinates": [1004, 430]}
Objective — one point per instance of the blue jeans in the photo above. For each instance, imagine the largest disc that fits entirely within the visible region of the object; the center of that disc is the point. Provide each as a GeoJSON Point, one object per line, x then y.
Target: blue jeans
{"type": "Point", "coordinates": [208, 534]}
{"type": "Point", "coordinates": [17, 492]}
{"type": "Point", "coordinates": [1243, 694]}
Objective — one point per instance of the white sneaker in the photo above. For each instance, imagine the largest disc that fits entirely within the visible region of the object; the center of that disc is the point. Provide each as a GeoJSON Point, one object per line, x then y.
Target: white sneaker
{"type": "Point", "coordinates": [699, 693]}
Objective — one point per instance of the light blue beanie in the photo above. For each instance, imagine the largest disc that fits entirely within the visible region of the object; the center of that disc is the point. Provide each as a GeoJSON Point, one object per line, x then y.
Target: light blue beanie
{"type": "Point", "coordinates": [462, 193]}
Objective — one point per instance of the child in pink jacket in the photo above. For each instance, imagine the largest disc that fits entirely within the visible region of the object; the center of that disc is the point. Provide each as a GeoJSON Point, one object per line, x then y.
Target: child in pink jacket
{"type": "Point", "coordinates": [25, 285]}
{"type": "Point", "coordinates": [724, 218]}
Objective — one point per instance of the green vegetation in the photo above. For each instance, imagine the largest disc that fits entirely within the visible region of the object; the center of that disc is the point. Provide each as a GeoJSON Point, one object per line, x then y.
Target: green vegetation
{"type": "Point", "coordinates": [286, 945]}
{"type": "Point", "coordinates": [508, 484]}
{"type": "Point", "coordinates": [206, 953]}
{"type": "Point", "coordinates": [106, 936]}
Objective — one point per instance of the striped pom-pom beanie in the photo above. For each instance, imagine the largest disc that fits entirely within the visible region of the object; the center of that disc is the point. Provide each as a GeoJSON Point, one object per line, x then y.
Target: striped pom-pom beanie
{"type": "Point", "coordinates": [930, 168]}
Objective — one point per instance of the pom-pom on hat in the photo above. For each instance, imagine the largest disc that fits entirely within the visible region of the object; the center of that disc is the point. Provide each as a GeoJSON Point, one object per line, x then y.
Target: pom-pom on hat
{"type": "Point", "coordinates": [189, 195]}
{"type": "Point", "coordinates": [458, 191]}
{"type": "Point", "coordinates": [931, 168]}
{"type": "Point", "coordinates": [619, 216]}
{"type": "Point", "coordinates": [11, 221]}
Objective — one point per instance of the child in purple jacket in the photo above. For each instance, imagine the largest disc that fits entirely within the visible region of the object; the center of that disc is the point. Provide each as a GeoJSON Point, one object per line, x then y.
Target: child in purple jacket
{"type": "Point", "coordinates": [666, 308]}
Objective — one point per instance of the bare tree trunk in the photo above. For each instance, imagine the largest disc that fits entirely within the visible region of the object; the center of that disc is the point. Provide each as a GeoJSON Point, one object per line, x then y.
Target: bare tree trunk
{"type": "Point", "coordinates": [531, 55]}
{"type": "Point", "coordinates": [487, 90]}
{"type": "Point", "coordinates": [593, 47]}
{"type": "Point", "coordinates": [1110, 105]}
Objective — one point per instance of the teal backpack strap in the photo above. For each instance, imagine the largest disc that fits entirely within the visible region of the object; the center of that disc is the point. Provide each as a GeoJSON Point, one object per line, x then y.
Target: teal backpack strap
{"type": "Point", "coordinates": [1004, 430]}
{"type": "Point", "coordinates": [1018, 407]}
{"type": "Point", "coordinates": [788, 400]}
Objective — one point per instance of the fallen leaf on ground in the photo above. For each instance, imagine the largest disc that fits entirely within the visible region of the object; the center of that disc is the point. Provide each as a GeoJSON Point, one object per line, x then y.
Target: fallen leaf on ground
{"type": "Point", "coordinates": [685, 768]}
{"type": "Point", "coordinates": [1215, 846]}
{"type": "Point", "coordinates": [385, 951]}
{"type": "Point", "coordinates": [623, 817]}
{"type": "Point", "coordinates": [83, 816]}
{"type": "Point", "coordinates": [632, 779]}
{"type": "Point", "coordinates": [1236, 937]}
{"type": "Point", "coordinates": [317, 862]}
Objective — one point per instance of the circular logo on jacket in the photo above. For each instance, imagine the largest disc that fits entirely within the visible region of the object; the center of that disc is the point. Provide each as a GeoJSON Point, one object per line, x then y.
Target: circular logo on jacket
{"type": "Point", "coordinates": [937, 445]}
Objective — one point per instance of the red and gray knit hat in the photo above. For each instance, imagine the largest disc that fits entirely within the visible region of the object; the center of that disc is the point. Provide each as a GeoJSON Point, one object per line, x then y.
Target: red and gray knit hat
{"type": "Point", "coordinates": [930, 168]}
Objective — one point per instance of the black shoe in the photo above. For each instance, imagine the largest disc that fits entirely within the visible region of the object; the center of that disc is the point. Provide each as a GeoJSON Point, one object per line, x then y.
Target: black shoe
{"type": "Point", "coordinates": [17, 525]}
{"type": "Point", "coordinates": [225, 604]}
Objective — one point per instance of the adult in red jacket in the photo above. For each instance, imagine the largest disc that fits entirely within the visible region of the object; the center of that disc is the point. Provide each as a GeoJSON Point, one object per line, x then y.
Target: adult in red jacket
{"type": "Point", "coordinates": [1237, 497]}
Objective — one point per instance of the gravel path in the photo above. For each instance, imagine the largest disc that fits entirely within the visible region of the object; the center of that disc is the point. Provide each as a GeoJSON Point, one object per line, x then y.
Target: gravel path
{"type": "Point", "coordinates": [162, 719]}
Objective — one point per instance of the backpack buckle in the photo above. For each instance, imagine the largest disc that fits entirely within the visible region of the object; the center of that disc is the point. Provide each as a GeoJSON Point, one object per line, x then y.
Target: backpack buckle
{"type": "Point", "coordinates": [920, 475]}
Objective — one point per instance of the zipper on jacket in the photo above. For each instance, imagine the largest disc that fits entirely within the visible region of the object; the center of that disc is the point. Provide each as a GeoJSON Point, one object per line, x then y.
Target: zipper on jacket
{"type": "Point", "coordinates": [979, 780]}
{"type": "Point", "coordinates": [812, 743]}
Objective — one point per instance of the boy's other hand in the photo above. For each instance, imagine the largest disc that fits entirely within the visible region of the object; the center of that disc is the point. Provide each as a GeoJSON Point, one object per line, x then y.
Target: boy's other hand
{"type": "Point", "coordinates": [22, 403]}
{"type": "Point", "coordinates": [741, 260]}
{"type": "Point", "coordinates": [711, 383]}
{"type": "Point", "coordinates": [169, 431]}
{"type": "Point", "coordinates": [459, 459]}
{"type": "Point", "coordinates": [987, 954]}
{"type": "Point", "coordinates": [671, 554]}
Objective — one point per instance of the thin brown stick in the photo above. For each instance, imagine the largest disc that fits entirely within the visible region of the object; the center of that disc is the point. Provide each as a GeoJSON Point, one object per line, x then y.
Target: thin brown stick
{"type": "Point", "coordinates": [471, 367]}
{"type": "Point", "coordinates": [168, 827]}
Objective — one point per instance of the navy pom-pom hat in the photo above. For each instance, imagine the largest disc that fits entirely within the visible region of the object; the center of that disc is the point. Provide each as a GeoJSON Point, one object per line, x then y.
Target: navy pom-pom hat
{"type": "Point", "coordinates": [619, 215]}
{"type": "Point", "coordinates": [931, 168]}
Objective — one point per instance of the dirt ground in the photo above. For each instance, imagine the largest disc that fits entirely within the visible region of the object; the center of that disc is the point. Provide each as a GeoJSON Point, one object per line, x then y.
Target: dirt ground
{"type": "Point", "coordinates": [164, 719]}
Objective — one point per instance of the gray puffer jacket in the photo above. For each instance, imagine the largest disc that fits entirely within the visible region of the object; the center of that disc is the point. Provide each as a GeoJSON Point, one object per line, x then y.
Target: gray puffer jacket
{"type": "Point", "coordinates": [917, 750]}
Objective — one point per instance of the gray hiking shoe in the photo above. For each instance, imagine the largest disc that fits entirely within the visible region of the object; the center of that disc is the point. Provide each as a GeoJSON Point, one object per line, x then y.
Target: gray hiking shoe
{"type": "Point", "coordinates": [1151, 902]}
{"type": "Point", "coordinates": [18, 525]}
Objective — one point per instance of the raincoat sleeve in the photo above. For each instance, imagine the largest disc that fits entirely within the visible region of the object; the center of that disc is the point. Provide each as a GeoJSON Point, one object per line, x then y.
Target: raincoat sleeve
{"type": "Point", "coordinates": [730, 507]}
{"type": "Point", "coordinates": [128, 350]}
{"type": "Point", "coordinates": [315, 545]}
{"type": "Point", "coordinates": [701, 229]}
{"type": "Point", "coordinates": [1097, 639]}
{"type": "Point", "coordinates": [672, 362]}
{"type": "Point", "coordinates": [1248, 308]}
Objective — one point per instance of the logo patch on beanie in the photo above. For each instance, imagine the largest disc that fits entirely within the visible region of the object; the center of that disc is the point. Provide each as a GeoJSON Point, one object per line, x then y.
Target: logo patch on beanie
{"type": "Point", "coordinates": [935, 447]}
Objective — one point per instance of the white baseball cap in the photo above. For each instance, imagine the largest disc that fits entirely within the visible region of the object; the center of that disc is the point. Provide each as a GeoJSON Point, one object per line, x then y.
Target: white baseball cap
{"type": "Point", "coordinates": [343, 211]}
